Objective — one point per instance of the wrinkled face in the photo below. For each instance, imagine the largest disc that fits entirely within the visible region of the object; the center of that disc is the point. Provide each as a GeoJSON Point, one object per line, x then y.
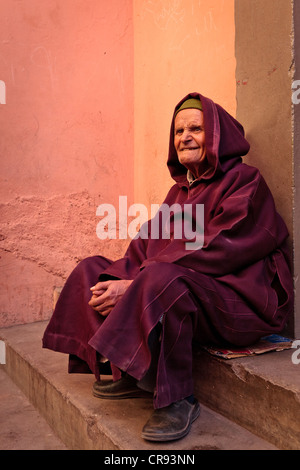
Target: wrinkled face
{"type": "Point", "coordinates": [189, 139]}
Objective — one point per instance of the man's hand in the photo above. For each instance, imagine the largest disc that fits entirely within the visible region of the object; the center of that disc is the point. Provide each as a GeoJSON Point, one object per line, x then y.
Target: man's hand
{"type": "Point", "coordinates": [105, 295]}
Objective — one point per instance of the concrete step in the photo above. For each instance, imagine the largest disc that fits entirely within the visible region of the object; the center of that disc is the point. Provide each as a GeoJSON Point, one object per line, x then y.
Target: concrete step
{"type": "Point", "coordinates": [22, 426]}
{"type": "Point", "coordinates": [260, 393]}
{"type": "Point", "coordinates": [82, 421]}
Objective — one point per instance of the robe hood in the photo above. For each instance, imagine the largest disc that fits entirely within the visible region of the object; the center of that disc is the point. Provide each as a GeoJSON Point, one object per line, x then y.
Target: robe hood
{"type": "Point", "coordinates": [224, 139]}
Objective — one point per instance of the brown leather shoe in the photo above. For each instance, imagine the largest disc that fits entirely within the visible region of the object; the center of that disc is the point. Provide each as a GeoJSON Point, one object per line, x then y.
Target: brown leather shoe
{"type": "Point", "coordinates": [172, 422]}
{"type": "Point", "coordinates": [124, 388]}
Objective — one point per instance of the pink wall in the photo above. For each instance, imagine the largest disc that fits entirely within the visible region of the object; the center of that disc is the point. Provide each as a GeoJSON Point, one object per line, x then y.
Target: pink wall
{"type": "Point", "coordinates": [180, 47]}
{"type": "Point", "coordinates": [66, 141]}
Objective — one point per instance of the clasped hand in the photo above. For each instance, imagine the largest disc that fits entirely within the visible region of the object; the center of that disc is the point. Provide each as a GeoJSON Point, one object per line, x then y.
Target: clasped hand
{"type": "Point", "coordinates": [106, 294]}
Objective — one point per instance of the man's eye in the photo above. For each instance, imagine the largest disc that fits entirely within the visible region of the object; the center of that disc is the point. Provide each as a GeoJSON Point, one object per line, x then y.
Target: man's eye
{"type": "Point", "coordinates": [179, 131]}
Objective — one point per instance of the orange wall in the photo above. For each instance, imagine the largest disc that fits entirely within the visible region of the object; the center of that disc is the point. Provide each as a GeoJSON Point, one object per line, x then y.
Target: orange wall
{"type": "Point", "coordinates": [66, 140]}
{"type": "Point", "coordinates": [180, 46]}
{"type": "Point", "coordinates": [90, 90]}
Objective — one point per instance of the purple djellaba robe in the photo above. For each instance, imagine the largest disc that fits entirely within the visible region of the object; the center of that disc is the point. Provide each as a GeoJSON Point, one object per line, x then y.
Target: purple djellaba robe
{"type": "Point", "coordinates": [233, 290]}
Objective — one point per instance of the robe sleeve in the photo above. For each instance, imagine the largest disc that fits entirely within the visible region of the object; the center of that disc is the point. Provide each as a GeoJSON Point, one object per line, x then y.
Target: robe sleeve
{"type": "Point", "coordinates": [244, 228]}
{"type": "Point", "coordinates": [128, 266]}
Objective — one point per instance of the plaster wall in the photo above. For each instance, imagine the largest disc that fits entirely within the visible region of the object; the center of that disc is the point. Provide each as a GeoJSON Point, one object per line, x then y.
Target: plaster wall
{"type": "Point", "coordinates": [179, 47]}
{"type": "Point", "coordinates": [264, 75]}
{"type": "Point", "coordinates": [66, 141]}
{"type": "Point", "coordinates": [90, 90]}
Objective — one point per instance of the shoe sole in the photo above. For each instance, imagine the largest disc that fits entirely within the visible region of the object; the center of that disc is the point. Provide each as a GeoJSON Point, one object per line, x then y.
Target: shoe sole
{"type": "Point", "coordinates": [175, 436]}
{"type": "Point", "coordinates": [125, 395]}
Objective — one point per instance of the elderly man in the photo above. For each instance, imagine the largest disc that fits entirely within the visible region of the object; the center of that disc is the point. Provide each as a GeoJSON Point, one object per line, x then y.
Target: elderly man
{"type": "Point", "coordinates": [143, 311]}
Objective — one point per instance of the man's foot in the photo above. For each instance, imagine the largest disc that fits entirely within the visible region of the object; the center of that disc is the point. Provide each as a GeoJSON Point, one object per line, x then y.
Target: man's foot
{"type": "Point", "coordinates": [124, 388]}
{"type": "Point", "coordinates": [172, 422]}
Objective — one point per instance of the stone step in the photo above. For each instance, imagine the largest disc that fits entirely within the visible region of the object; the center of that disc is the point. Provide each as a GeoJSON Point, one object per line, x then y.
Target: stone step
{"type": "Point", "coordinates": [260, 393]}
{"type": "Point", "coordinates": [22, 426]}
{"type": "Point", "coordinates": [84, 422]}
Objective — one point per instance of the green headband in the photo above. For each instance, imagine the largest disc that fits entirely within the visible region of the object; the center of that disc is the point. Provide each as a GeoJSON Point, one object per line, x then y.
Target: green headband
{"type": "Point", "coordinates": [190, 103]}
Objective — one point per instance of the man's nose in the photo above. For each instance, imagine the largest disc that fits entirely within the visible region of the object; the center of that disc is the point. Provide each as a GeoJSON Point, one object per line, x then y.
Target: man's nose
{"type": "Point", "coordinates": [186, 135]}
